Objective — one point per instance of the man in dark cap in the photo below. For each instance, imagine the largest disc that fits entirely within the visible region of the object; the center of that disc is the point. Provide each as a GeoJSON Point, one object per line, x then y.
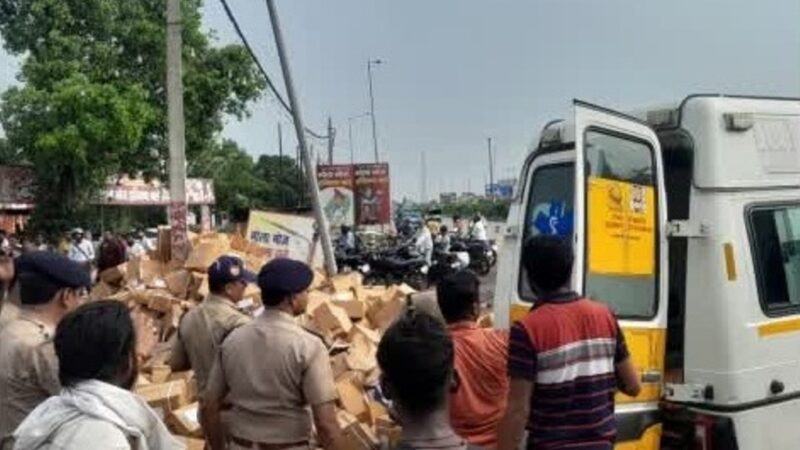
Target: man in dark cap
{"type": "Point", "coordinates": [203, 329]}
{"type": "Point", "coordinates": [50, 286]}
{"type": "Point", "coordinates": [270, 371]}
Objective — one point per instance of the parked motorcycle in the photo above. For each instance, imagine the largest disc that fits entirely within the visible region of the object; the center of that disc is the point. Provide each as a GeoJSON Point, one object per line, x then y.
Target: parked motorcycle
{"type": "Point", "coordinates": [481, 255]}
{"type": "Point", "coordinates": [445, 263]}
{"type": "Point", "coordinates": [395, 266]}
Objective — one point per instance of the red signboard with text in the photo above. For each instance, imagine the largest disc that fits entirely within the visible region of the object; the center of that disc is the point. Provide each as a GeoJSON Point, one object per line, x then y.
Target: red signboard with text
{"type": "Point", "coordinates": [373, 194]}
{"type": "Point", "coordinates": [336, 193]}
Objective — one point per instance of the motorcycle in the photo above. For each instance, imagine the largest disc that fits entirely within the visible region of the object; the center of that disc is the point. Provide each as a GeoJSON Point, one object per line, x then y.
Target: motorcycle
{"type": "Point", "coordinates": [481, 255]}
{"type": "Point", "coordinates": [446, 262]}
{"type": "Point", "coordinates": [394, 267]}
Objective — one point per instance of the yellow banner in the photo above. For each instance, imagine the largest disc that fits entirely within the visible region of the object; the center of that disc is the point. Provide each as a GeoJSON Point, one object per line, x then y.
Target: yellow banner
{"type": "Point", "coordinates": [621, 227]}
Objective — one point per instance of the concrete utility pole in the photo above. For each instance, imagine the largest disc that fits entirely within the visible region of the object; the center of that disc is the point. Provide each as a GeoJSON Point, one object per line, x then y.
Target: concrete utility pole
{"type": "Point", "coordinates": [491, 170]}
{"type": "Point", "coordinates": [177, 137]}
{"type": "Point", "coordinates": [313, 186]}
{"type": "Point", "coordinates": [331, 137]}
{"type": "Point", "coordinates": [370, 63]}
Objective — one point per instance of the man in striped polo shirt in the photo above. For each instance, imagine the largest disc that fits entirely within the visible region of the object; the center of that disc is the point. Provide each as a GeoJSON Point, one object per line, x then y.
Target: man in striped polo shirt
{"type": "Point", "coordinates": [566, 359]}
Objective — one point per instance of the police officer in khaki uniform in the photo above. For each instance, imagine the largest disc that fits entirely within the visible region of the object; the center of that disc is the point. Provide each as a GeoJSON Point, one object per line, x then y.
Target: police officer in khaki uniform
{"type": "Point", "coordinates": [50, 286]}
{"type": "Point", "coordinates": [270, 371]}
{"type": "Point", "coordinates": [203, 329]}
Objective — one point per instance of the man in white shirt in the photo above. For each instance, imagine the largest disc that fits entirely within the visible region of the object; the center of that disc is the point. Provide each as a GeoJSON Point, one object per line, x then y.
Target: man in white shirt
{"type": "Point", "coordinates": [5, 246]}
{"type": "Point", "coordinates": [81, 249]}
{"type": "Point", "coordinates": [478, 231]}
{"type": "Point", "coordinates": [423, 243]}
{"type": "Point", "coordinates": [135, 247]}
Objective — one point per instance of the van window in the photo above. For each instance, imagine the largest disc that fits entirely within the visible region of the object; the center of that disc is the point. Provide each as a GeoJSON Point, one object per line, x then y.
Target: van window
{"type": "Point", "coordinates": [549, 209]}
{"type": "Point", "coordinates": [775, 240]}
{"type": "Point", "coordinates": [621, 224]}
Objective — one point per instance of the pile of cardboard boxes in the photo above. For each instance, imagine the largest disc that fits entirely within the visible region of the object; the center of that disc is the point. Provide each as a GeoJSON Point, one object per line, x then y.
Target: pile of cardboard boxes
{"type": "Point", "coordinates": [348, 316]}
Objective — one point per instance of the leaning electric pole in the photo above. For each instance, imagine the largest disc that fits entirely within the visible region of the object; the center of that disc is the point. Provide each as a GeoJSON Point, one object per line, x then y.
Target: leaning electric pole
{"type": "Point", "coordinates": [177, 137]}
{"type": "Point", "coordinates": [313, 186]}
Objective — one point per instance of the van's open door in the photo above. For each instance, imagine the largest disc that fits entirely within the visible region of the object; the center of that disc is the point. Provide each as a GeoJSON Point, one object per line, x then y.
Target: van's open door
{"type": "Point", "coordinates": [621, 251]}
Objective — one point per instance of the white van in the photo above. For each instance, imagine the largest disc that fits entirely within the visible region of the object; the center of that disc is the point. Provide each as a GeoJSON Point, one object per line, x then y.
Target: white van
{"type": "Point", "coordinates": [686, 220]}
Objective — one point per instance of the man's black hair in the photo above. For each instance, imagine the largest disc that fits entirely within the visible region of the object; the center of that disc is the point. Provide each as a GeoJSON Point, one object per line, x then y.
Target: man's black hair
{"type": "Point", "coordinates": [457, 295]}
{"type": "Point", "coordinates": [96, 342]}
{"type": "Point", "coordinates": [548, 262]}
{"type": "Point", "coordinates": [273, 297]}
{"type": "Point", "coordinates": [416, 358]}
{"type": "Point", "coordinates": [216, 288]}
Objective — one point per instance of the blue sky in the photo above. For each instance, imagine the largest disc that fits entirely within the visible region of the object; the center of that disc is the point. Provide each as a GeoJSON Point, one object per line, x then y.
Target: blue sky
{"type": "Point", "coordinates": [459, 71]}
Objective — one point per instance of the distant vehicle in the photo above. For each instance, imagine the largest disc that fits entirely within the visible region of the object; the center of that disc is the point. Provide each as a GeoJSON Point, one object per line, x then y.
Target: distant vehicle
{"type": "Point", "coordinates": [686, 220]}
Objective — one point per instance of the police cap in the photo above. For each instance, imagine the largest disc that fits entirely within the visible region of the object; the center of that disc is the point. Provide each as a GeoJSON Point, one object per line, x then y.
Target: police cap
{"type": "Point", "coordinates": [42, 274]}
{"type": "Point", "coordinates": [285, 276]}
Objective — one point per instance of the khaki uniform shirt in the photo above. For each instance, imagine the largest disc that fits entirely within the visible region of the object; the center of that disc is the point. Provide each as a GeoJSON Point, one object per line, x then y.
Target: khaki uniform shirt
{"type": "Point", "coordinates": [270, 372]}
{"type": "Point", "coordinates": [200, 334]}
{"type": "Point", "coordinates": [28, 370]}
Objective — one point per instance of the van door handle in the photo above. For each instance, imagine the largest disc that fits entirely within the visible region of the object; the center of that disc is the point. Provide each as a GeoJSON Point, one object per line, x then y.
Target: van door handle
{"type": "Point", "coordinates": [651, 376]}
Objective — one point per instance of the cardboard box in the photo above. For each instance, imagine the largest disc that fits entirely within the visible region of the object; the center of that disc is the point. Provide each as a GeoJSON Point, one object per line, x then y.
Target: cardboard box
{"type": "Point", "coordinates": [362, 353]}
{"type": "Point", "coordinates": [316, 298]}
{"type": "Point", "coordinates": [101, 291]}
{"type": "Point", "coordinates": [159, 373]}
{"type": "Point", "coordinates": [192, 443]}
{"type": "Point", "coordinates": [164, 397]}
{"type": "Point", "coordinates": [320, 280]}
{"type": "Point", "coordinates": [355, 309]}
{"type": "Point", "coordinates": [178, 283]}
{"type": "Point", "coordinates": [381, 314]}
{"type": "Point", "coordinates": [387, 430]}
{"type": "Point", "coordinates": [366, 331]}
{"type": "Point", "coordinates": [376, 411]}
{"type": "Point", "coordinates": [183, 421]}
{"type": "Point", "coordinates": [486, 321]}
{"type": "Point", "coordinates": [115, 275]}
{"type": "Point", "coordinates": [205, 253]}
{"type": "Point", "coordinates": [345, 282]}
{"type": "Point", "coordinates": [352, 399]}
{"type": "Point", "coordinates": [149, 269]}
{"type": "Point", "coordinates": [356, 435]}
{"type": "Point", "coordinates": [161, 301]}
{"type": "Point", "coordinates": [332, 319]}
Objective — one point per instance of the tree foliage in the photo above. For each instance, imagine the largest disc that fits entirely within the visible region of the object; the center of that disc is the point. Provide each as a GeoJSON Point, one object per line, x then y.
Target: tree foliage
{"type": "Point", "coordinates": [93, 100]}
{"type": "Point", "coordinates": [241, 184]}
{"type": "Point", "coordinates": [491, 209]}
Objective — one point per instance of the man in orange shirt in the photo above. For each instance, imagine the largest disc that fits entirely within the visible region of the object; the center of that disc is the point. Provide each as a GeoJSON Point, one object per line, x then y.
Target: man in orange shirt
{"type": "Point", "coordinates": [479, 400]}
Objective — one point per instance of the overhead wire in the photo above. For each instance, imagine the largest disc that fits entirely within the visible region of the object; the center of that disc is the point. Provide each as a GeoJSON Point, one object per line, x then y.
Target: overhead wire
{"type": "Point", "coordinates": [270, 84]}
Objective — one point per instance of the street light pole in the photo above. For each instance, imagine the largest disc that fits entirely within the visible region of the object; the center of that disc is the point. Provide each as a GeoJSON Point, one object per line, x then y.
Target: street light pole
{"type": "Point", "coordinates": [370, 63]}
{"type": "Point", "coordinates": [350, 133]}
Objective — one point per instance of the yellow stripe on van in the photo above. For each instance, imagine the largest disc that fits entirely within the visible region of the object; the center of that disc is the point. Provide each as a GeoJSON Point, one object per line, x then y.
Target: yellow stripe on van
{"type": "Point", "coordinates": [730, 261]}
{"type": "Point", "coordinates": [778, 327]}
{"type": "Point", "coordinates": [650, 440]}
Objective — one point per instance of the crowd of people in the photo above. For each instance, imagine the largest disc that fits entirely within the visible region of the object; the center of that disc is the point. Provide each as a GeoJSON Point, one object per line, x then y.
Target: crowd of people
{"type": "Point", "coordinates": [67, 367]}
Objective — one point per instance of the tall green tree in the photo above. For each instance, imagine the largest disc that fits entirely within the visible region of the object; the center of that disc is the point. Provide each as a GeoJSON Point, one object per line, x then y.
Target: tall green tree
{"type": "Point", "coordinates": [93, 101]}
{"type": "Point", "coordinates": [286, 183]}
{"type": "Point", "coordinates": [241, 184]}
